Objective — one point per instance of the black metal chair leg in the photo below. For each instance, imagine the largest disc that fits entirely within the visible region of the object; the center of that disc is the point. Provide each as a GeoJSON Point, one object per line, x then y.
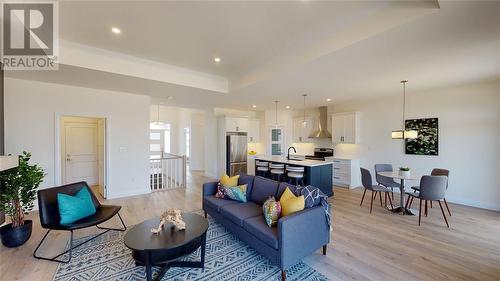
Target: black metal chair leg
{"type": "Point", "coordinates": [71, 247]}
{"type": "Point", "coordinates": [117, 229]}
{"type": "Point", "coordinates": [55, 259]}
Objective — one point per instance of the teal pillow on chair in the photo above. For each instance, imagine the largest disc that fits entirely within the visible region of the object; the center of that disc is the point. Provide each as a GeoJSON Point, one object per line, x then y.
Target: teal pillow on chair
{"type": "Point", "coordinates": [73, 208]}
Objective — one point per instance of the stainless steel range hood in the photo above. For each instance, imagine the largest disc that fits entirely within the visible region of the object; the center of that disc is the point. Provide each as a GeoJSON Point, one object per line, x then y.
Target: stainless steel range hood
{"type": "Point", "coordinates": [322, 132]}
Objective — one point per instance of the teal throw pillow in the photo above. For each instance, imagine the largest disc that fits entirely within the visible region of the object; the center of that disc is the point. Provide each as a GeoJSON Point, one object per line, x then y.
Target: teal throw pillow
{"type": "Point", "coordinates": [237, 193]}
{"type": "Point", "coordinates": [73, 208]}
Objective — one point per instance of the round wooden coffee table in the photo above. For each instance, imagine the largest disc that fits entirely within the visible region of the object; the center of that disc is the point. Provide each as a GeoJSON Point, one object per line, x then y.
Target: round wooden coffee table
{"type": "Point", "coordinates": [163, 249]}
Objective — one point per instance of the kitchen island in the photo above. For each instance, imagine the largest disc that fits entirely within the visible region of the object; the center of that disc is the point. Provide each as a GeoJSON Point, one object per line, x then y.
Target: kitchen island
{"type": "Point", "coordinates": [317, 173]}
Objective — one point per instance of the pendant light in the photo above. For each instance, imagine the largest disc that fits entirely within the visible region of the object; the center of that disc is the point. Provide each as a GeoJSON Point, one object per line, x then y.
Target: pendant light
{"type": "Point", "coordinates": [304, 122]}
{"type": "Point", "coordinates": [276, 114]}
{"type": "Point", "coordinates": [158, 123]}
{"type": "Point", "coordinates": [403, 133]}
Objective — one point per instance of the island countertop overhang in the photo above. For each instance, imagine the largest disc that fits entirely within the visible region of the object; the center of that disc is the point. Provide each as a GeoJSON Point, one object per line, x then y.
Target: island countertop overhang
{"type": "Point", "coordinates": [283, 160]}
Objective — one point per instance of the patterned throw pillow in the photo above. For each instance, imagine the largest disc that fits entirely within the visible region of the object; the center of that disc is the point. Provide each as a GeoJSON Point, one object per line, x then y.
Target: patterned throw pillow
{"type": "Point", "coordinates": [272, 211]}
{"type": "Point", "coordinates": [221, 193]}
{"type": "Point", "coordinates": [312, 195]}
{"type": "Point", "coordinates": [237, 193]}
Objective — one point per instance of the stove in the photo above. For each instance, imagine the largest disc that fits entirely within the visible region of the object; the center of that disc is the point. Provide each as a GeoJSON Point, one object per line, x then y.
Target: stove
{"type": "Point", "coordinates": [320, 154]}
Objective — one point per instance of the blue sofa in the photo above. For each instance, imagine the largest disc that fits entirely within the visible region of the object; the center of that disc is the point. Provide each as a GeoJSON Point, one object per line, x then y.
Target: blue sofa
{"type": "Point", "coordinates": [296, 236]}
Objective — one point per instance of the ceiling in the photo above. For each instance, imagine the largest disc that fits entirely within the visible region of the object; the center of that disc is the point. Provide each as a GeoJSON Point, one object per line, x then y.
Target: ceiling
{"type": "Point", "coordinates": [279, 49]}
{"type": "Point", "coordinates": [191, 33]}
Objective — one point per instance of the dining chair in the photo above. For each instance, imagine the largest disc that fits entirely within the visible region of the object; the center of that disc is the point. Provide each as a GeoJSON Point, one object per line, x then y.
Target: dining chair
{"type": "Point", "coordinates": [438, 172]}
{"type": "Point", "coordinates": [366, 180]}
{"type": "Point", "coordinates": [385, 181]}
{"type": "Point", "coordinates": [432, 188]}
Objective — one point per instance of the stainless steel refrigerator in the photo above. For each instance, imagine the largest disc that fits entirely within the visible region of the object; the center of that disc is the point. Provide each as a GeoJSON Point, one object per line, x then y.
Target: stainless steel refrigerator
{"type": "Point", "coordinates": [236, 153]}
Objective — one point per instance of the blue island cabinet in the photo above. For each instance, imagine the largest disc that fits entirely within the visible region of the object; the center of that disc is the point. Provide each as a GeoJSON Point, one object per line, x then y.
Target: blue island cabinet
{"type": "Point", "coordinates": [320, 177]}
{"type": "Point", "coordinates": [316, 173]}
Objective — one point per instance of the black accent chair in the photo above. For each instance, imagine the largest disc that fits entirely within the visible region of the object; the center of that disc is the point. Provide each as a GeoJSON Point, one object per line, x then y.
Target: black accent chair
{"type": "Point", "coordinates": [49, 216]}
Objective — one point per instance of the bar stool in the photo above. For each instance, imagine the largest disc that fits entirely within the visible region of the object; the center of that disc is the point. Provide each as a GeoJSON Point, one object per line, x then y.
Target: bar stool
{"type": "Point", "coordinates": [277, 170]}
{"type": "Point", "coordinates": [262, 168]}
{"type": "Point", "coordinates": [295, 173]}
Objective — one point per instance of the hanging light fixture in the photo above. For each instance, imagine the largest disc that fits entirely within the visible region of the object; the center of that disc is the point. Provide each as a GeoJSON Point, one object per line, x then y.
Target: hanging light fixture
{"type": "Point", "coordinates": [304, 122]}
{"type": "Point", "coordinates": [276, 114]}
{"type": "Point", "coordinates": [403, 133]}
{"type": "Point", "coordinates": [158, 116]}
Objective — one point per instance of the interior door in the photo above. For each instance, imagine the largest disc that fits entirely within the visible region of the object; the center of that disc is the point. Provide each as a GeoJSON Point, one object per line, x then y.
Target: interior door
{"type": "Point", "coordinates": [156, 143]}
{"type": "Point", "coordinates": [81, 153]}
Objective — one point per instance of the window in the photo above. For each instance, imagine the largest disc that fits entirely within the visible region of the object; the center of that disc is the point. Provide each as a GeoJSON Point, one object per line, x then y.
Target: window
{"type": "Point", "coordinates": [159, 139]}
{"type": "Point", "coordinates": [276, 141]}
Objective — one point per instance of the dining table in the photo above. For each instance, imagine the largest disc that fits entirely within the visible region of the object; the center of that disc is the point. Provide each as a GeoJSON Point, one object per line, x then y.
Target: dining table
{"type": "Point", "coordinates": [402, 178]}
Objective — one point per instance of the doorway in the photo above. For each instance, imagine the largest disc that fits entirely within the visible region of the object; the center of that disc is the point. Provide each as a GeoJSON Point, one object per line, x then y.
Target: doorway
{"type": "Point", "coordinates": [83, 152]}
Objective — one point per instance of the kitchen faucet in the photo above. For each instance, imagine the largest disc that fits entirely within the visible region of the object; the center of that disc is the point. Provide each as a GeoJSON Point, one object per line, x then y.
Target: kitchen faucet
{"type": "Point", "coordinates": [294, 151]}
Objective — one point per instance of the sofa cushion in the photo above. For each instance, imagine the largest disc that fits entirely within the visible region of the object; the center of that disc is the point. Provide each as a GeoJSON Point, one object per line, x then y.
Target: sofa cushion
{"type": "Point", "coordinates": [216, 203]}
{"type": "Point", "coordinates": [257, 227]}
{"type": "Point", "coordinates": [282, 187]}
{"type": "Point", "coordinates": [263, 189]}
{"type": "Point", "coordinates": [248, 180]}
{"type": "Point", "coordinates": [238, 212]}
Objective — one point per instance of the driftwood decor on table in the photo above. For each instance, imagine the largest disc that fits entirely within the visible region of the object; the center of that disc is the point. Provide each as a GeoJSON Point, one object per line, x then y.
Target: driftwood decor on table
{"type": "Point", "coordinates": [170, 216]}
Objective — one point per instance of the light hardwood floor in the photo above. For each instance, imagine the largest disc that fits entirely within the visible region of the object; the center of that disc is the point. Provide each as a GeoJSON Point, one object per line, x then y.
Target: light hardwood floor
{"type": "Point", "coordinates": [380, 246]}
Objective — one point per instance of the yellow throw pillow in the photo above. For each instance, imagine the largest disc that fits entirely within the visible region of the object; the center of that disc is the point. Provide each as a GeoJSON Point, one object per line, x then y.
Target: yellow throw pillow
{"type": "Point", "coordinates": [227, 181]}
{"type": "Point", "coordinates": [290, 203]}
{"type": "Point", "coordinates": [287, 194]}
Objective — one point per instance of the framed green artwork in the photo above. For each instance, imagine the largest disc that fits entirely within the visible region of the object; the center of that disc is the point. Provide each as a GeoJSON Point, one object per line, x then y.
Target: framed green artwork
{"type": "Point", "coordinates": [427, 142]}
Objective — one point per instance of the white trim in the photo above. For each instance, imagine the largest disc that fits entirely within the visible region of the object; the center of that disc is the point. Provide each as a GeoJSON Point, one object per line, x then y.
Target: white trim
{"type": "Point", "coordinates": [130, 193]}
{"type": "Point", "coordinates": [473, 203]}
{"type": "Point", "coordinates": [57, 147]}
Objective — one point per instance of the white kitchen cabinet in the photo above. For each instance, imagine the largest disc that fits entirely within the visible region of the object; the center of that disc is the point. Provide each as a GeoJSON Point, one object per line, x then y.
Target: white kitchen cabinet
{"type": "Point", "coordinates": [345, 127]}
{"type": "Point", "coordinates": [301, 133]}
{"type": "Point", "coordinates": [236, 124]}
{"type": "Point", "coordinates": [346, 172]}
{"type": "Point", "coordinates": [253, 130]}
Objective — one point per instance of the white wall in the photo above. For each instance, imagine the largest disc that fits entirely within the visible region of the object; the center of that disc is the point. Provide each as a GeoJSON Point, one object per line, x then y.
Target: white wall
{"type": "Point", "coordinates": [30, 113]}
{"type": "Point", "coordinates": [211, 156]}
{"type": "Point", "coordinates": [197, 159]}
{"type": "Point", "coordinates": [469, 138]}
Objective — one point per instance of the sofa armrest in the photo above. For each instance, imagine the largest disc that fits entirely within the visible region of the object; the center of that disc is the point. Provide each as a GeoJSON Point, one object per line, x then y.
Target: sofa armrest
{"type": "Point", "coordinates": [210, 188]}
{"type": "Point", "coordinates": [302, 233]}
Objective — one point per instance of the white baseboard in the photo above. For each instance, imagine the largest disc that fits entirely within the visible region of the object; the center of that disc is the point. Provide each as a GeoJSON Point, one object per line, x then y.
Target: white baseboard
{"type": "Point", "coordinates": [129, 193]}
{"type": "Point", "coordinates": [473, 203]}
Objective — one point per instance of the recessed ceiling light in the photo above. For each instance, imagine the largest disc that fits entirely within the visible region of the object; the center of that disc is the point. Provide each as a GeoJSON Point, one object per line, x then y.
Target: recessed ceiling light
{"type": "Point", "coordinates": [217, 59]}
{"type": "Point", "coordinates": [116, 30]}
{"type": "Point", "coordinates": [254, 106]}
{"type": "Point", "coordinates": [287, 107]}
{"type": "Point", "coordinates": [328, 100]}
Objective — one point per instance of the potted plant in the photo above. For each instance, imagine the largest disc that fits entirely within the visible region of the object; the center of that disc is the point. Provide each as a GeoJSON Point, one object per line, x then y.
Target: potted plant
{"type": "Point", "coordinates": [404, 171]}
{"type": "Point", "coordinates": [18, 191]}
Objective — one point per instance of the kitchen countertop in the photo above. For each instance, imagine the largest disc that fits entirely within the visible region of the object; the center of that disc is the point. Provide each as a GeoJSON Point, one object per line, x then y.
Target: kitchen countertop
{"type": "Point", "coordinates": [305, 163]}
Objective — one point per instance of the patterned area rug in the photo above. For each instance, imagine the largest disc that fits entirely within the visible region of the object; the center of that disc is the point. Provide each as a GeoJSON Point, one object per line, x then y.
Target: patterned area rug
{"type": "Point", "coordinates": [226, 258]}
